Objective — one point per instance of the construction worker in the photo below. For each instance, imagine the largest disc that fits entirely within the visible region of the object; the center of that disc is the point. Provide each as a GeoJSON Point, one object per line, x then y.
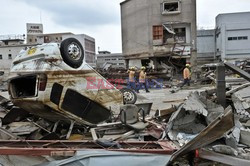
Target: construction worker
{"type": "Point", "coordinates": [186, 75]}
{"type": "Point", "coordinates": [142, 79]}
{"type": "Point", "coordinates": [132, 83]}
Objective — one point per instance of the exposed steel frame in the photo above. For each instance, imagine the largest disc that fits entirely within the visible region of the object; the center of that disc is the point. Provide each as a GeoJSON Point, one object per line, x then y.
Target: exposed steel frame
{"type": "Point", "coordinates": [68, 148]}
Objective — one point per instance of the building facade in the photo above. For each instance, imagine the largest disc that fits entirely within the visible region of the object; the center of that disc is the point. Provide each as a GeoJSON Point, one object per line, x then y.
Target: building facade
{"type": "Point", "coordinates": [10, 46]}
{"type": "Point", "coordinates": [105, 60]}
{"type": "Point", "coordinates": [206, 45]}
{"type": "Point", "coordinates": [158, 29]}
{"type": "Point", "coordinates": [233, 36]}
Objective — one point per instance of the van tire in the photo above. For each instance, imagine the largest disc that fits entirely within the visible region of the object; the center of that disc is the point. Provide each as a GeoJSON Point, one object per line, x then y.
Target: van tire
{"type": "Point", "coordinates": [72, 52]}
{"type": "Point", "coordinates": [129, 96]}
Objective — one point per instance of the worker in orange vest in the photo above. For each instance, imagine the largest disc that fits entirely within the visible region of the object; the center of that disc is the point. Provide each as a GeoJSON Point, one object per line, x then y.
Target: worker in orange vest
{"type": "Point", "coordinates": [132, 83]}
{"type": "Point", "coordinates": [142, 79]}
{"type": "Point", "coordinates": [186, 75]}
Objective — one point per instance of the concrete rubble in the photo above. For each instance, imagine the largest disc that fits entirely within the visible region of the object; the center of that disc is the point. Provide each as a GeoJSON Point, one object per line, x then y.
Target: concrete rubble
{"type": "Point", "coordinates": [178, 125]}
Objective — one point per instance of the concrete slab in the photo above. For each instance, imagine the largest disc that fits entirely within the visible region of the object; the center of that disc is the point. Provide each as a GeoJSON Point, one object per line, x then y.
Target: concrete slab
{"type": "Point", "coordinates": [158, 96]}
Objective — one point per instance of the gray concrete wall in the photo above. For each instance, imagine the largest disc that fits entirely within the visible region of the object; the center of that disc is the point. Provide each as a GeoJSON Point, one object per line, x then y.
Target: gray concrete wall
{"type": "Point", "coordinates": [117, 59]}
{"type": "Point", "coordinates": [138, 17]}
{"type": "Point", "coordinates": [206, 44]}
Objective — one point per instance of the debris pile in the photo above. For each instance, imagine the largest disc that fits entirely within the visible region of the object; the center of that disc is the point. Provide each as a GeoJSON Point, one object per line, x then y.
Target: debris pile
{"type": "Point", "coordinates": [197, 130]}
{"type": "Point", "coordinates": [198, 122]}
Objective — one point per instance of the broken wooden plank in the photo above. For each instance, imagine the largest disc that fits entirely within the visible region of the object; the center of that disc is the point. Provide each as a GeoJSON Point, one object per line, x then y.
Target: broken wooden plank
{"type": "Point", "coordinates": [165, 112]}
{"type": "Point", "coordinates": [174, 101]}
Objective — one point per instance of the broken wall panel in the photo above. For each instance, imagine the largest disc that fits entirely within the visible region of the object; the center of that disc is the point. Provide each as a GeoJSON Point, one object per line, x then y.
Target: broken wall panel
{"type": "Point", "coordinates": [212, 132]}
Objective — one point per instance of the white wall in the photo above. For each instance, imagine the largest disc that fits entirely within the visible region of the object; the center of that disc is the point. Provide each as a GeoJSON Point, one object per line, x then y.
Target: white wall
{"type": "Point", "coordinates": [233, 25]}
{"type": "Point", "coordinates": [5, 51]}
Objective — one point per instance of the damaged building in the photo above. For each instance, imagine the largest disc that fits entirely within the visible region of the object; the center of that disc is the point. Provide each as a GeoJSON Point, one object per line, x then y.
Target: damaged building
{"type": "Point", "coordinates": [159, 31]}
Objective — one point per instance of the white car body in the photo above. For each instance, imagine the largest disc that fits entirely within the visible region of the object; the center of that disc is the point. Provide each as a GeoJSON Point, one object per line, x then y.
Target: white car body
{"type": "Point", "coordinates": [70, 94]}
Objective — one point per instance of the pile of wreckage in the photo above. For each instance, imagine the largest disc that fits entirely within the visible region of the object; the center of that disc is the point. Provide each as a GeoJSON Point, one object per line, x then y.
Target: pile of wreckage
{"type": "Point", "coordinates": [197, 131]}
{"type": "Point", "coordinates": [65, 113]}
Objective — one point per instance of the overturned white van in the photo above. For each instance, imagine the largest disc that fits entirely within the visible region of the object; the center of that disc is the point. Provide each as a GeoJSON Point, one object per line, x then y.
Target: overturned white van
{"type": "Point", "coordinates": [54, 82]}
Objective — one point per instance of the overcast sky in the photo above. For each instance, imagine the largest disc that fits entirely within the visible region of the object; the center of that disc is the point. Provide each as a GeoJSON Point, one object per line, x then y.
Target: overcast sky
{"type": "Point", "coordinates": [97, 18]}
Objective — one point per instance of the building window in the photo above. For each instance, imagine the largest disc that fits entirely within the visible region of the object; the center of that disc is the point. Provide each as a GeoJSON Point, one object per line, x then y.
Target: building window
{"type": "Point", "coordinates": [46, 39]}
{"type": "Point", "coordinates": [107, 59]}
{"type": "Point", "coordinates": [180, 35]}
{"type": "Point", "coordinates": [157, 32]}
{"type": "Point", "coordinates": [30, 40]}
{"type": "Point", "coordinates": [113, 59]}
{"type": "Point", "coordinates": [242, 37]}
{"type": "Point", "coordinates": [9, 56]}
{"type": "Point", "coordinates": [238, 38]}
{"type": "Point", "coordinates": [1, 56]}
{"type": "Point", "coordinates": [121, 63]}
{"type": "Point", "coordinates": [171, 7]}
{"type": "Point", "coordinates": [35, 40]}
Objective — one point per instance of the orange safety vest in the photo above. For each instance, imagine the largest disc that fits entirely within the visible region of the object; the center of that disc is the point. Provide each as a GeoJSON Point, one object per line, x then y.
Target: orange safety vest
{"type": "Point", "coordinates": [131, 76]}
{"type": "Point", "coordinates": [142, 77]}
{"type": "Point", "coordinates": [186, 73]}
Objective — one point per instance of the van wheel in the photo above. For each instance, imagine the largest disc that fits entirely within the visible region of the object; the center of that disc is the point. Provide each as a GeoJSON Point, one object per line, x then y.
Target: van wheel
{"type": "Point", "coordinates": [72, 52]}
{"type": "Point", "coordinates": [129, 96]}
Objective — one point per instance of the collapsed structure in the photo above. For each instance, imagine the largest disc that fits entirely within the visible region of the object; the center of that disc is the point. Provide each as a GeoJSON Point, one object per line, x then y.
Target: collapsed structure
{"type": "Point", "coordinates": [159, 32]}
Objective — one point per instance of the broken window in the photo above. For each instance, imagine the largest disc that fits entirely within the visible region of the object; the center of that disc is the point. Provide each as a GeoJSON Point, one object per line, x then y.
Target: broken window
{"type": "Point", "coordinates": [180, 35]}
{"type": "Point", "coordinates": [157, 32]}
{"type": "Point", "coordinates": [171, 34]}
{"type": "Point", "coordinates": [167, 34]}
{"type": "Point", "coordinates": [23, 86]}
{"type": "Point", "coordinates": [171, 7]}
{"type": "Point", "coordinates": [83, 107]}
